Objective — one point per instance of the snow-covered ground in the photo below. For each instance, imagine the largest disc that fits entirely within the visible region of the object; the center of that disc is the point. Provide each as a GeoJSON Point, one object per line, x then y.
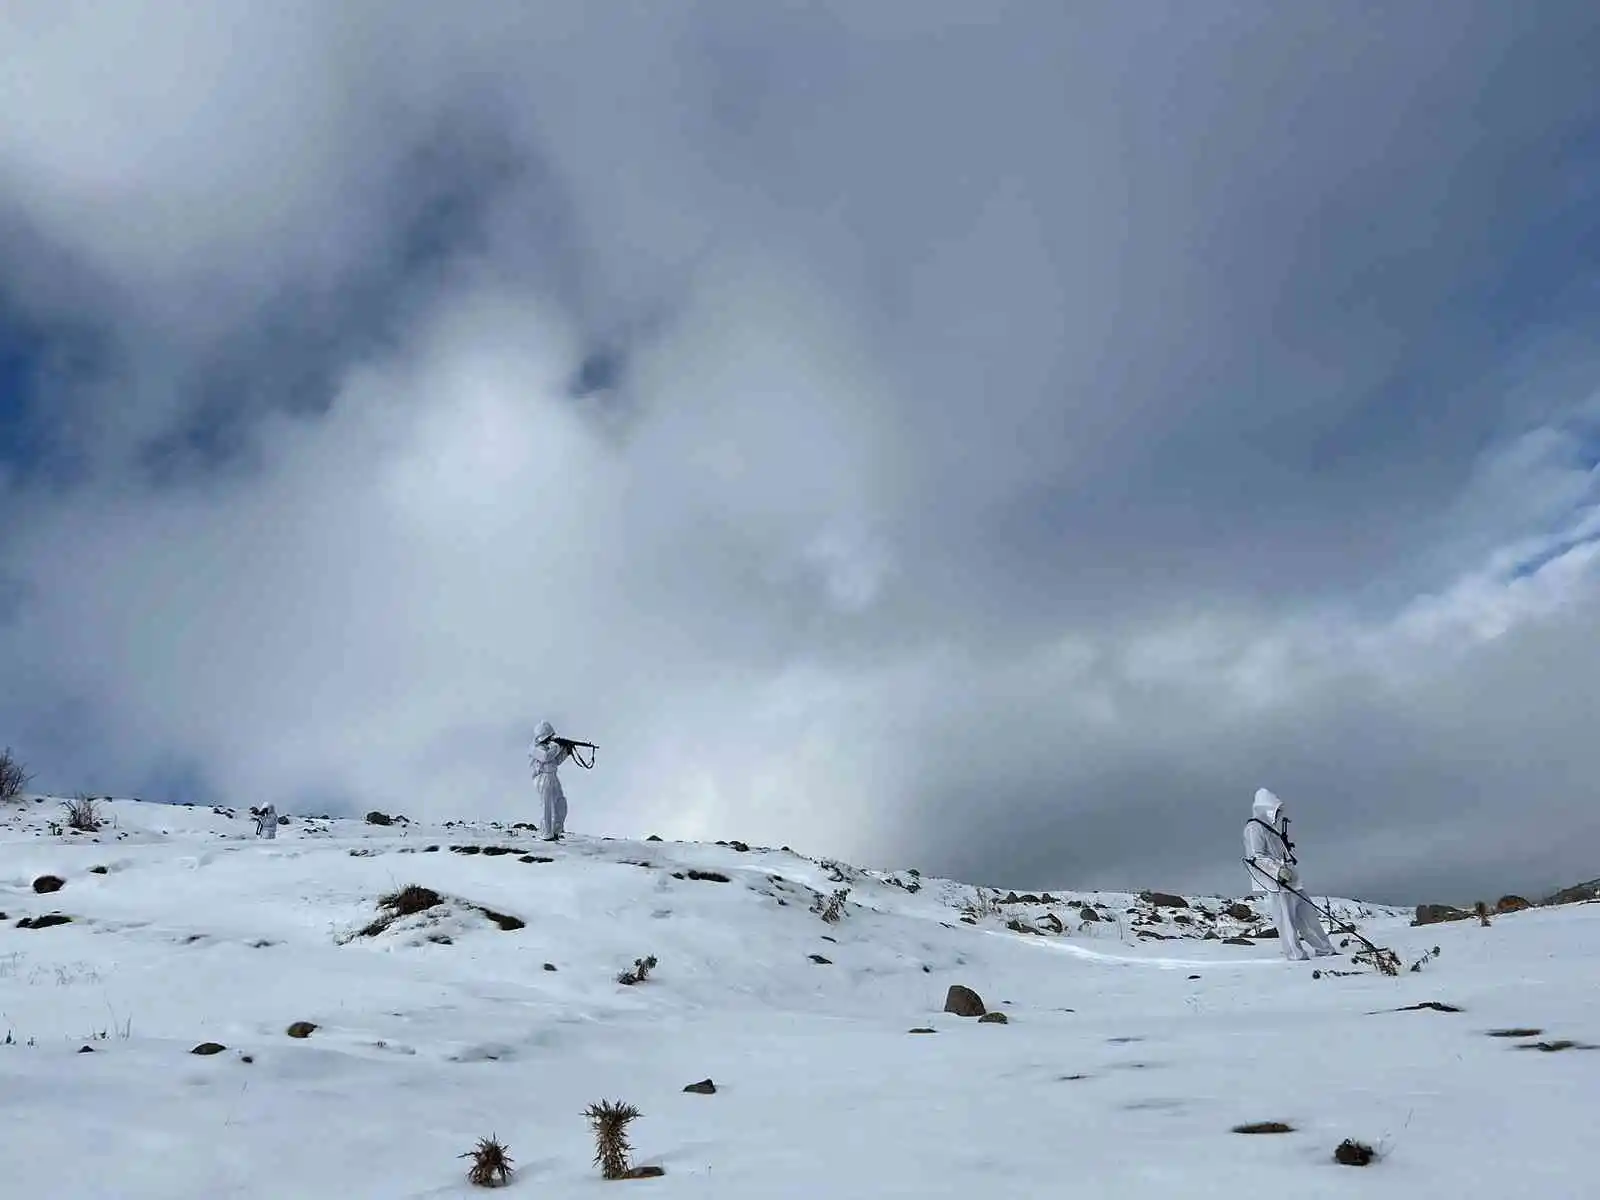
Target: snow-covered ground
{"type": "Point", "coordinates": [1135, 1043]}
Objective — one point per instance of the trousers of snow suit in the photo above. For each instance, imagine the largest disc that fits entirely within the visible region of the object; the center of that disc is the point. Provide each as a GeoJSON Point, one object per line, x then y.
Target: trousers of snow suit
{"type": "Point", "coordinates": [1300, 931]}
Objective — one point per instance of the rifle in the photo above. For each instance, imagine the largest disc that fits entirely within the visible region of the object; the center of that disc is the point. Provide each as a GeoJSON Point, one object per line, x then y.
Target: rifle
{"type": "Point", "coordinates": [572, 747]}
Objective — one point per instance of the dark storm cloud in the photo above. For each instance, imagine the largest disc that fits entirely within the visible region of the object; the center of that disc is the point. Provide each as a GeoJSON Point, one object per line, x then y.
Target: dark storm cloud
{"type": "Point", "coordinates": [1000, 436]}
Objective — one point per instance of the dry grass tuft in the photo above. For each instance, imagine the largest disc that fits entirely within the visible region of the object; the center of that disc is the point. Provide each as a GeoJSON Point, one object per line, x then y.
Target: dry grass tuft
{"type": "Point", "coordinates": [410, 900]}
{"type": "Point", "coordinates": [640, 972]}
{"type": "Point", "coordinates": [610, 1120]}
{"type": "Point", "coordinates": [491, 1164]}
{"type": "Point", "coordinates": [82, 814]}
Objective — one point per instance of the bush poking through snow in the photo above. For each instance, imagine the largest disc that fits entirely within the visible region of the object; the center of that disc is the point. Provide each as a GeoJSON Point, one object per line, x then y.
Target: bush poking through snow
{"type": "Point", "coordinates": [409, 900]}
{"type": "Point", "coordinates": [610, 1120]}
{"type": "Point", "coordinates": [491, 1165]}
{"type": "Point", "coordinates": [640, 972]}
{"type": "Point", "coordinates": [1482, 910]}
{"type": "Point", "coordinates": [831, 908]}
{"type": "Point", "coordinates": [1386, 961]}
{"type": "Point", "coordinates": [1352, 1153]}
{"type": "Point", "coordinates": [82, 814]}
{"type": "Point", "coordinates": [1425, 959]}
{"type": "Point", "coordinates": [13, 777]}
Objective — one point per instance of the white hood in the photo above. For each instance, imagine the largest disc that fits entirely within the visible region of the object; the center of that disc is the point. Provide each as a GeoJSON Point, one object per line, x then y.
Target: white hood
{"type": "Point", "coordinates": [544, 733]}
{"type": "Point", "coordinates": [1267, 806]}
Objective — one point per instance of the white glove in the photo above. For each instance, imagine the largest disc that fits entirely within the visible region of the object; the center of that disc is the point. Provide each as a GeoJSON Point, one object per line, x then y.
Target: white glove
{"type": "Point", "coordinates": [1287, 874]}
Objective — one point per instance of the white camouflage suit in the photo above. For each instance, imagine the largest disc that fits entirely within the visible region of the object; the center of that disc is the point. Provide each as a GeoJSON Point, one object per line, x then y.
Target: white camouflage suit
{"type": "Point", "coordinates": [544, 756]}
{"type": "Point", "coordinates": [1271, 865]}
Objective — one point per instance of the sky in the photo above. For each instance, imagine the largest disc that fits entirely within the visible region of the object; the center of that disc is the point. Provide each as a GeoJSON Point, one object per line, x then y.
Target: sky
{"type": "Point", "coordinates": [990, 437]}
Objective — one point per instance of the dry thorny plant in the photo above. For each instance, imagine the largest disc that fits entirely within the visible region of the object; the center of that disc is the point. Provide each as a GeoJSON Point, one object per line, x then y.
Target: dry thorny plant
{"type": "Point", "coordinates": [13, 777]}
{"type": "Point", "coordinates": [82, 814]}
{"type": "Point", "coordinates": [491, 1164]}
{"type": "Point", "coordinates": [639, 973]}
{"type": "Point", "coordinates": [831, 908]}
{"type": "Point", "coordinates": [610, 1119]}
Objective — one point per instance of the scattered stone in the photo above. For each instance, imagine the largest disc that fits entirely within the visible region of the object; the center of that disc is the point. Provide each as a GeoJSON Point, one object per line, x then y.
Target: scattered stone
{"type": "Point", "coordinates": [301, 1029]}
{"type": "Point", "coordinates": [48, 921]}
{"type": "Point", "coordinates": [820, 961]}
{"type": "Point", "coordinates": [534, 858]}
{"type": "Point", "coordinates": [739, 846]}
{"type": "Point", "coordinates": [1556, 1046]}
{"type": "Point", "coordinates": [1434, 914]}
{"type": "Point", "coordinates": [1053, 923]}
{"type": "Point", "coordinates": [709, 876]}
{"type": "Point", "coordinates": [1088, 914]}
{"type": "Point", "coordinates": [652, 838]}
{"type": "Point", "coordinates": [549, 966]}
{"type": "Point", "coordinates": [466, 849]}
{"type": "Point", "coordinates": [1430, 1005]}
{"type": "Point", "coordinates": [645, 1173]}
{"type": "Point", "coordinates": [1515, 1033]}
{"type": "Point", "coordinates": [1352, 1153]}
{"type": "Point", "coordinates": [377, 818]}
{"type": "Point", "coordinates": [493, 851]}
{"type": "Point", "coordinates": [1017, 926]}
{"type": "Point", "coordinates": [1264, 1127]}
{"type": "Point", "coordinates": [46, 884]}
{"type": "Point", "coordinates": [704, 1088]}
{"type": "Point", "coordinates": [97, 870]}
{"type": "Point", "coordinates": [828, 937]}
{"type": "Point", "coordinates": [1237, 941]}
{"type": "Point", "coordinates": [1511, 904]}
{"type": "Point", "coordinates": [963, 1002]}
{"type": "Point", "coordinates": [922, 1030]}
{"type": "Point", "coordinates": [994, 1018]}
{"type": "Point", "coordinates": [208, 1048]}
{"type": "Point", "coordinates": [1240, 912]}
{"type": "Point", "coordinates": [1577, 894]}
{"type": "Point", "coordinates": [1163, 900]}
{"type": "Point", "coordinates": [506, 922]}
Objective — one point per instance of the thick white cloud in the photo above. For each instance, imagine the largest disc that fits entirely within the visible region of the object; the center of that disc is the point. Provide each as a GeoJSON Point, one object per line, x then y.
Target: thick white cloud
{"type": "Point", "coordinates": [1030, 431]}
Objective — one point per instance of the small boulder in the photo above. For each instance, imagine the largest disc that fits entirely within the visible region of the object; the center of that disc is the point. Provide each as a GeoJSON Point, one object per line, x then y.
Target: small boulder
{"type": "Point", "coordinates": [704, 1088]}
{"type": "Point", "coordinates": [97, 870]}
{"type": "Point", "coordinates": [1240, 912]}
{"type": "Point", "coordinates": [963, 1002]}
{"type": "Point", "coordinates": [208, 1048]}
{"type": "Point", "coordinates": [549, 966]}
{"type": "Point", "coordinates": [1163, 900]}
{"type": "Point", "coordinates": [301, 1029]}
{"type": "Point", "coordinates": [377, 818]}
{"type": "Point", "coordinates": [1238, 941]}
{"type": "Point", "coordinates": [923, 1029]}
{"type": "Point", "coordinates": [85, 1049]}
{"type": "Point", "coordinates": [1088, 914]}
{"type": "Point", "coordinates": [820, 961]}
{"type": "Point", "coordinates": [48, 883]}
{"type": "Point", "coordinates": [1434, 914]}
{"type": "Point", "coordinates": [1510, 904]}
{"type": "Point", "coordinates": [993, 1018]}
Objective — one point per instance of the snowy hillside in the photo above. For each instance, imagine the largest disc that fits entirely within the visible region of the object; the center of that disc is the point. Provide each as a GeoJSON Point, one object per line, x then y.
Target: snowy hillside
{"type": "Point", "coordinates": [485, 1000]}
